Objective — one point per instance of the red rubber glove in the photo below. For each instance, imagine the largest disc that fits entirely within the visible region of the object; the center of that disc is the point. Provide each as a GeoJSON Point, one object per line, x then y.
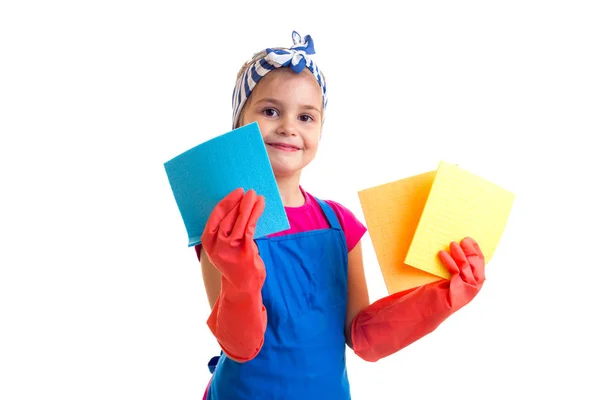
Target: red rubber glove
{"type": "Point", "coordinates": [398, 320]}
{"type": "Point", "coordinates": [238, 319]}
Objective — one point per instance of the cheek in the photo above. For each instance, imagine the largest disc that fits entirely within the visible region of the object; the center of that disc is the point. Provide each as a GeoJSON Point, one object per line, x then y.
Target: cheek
{"type": "Point", "coordinates": [312, 141]}
{"type": "Point", "coordinates": [264, 128]}
{"type": "Point", "coordinates": [245, 120]}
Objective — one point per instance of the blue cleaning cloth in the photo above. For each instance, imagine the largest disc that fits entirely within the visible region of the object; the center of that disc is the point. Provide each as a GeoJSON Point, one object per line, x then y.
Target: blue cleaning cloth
{"type": "Point", "coordinates": [203, 175]}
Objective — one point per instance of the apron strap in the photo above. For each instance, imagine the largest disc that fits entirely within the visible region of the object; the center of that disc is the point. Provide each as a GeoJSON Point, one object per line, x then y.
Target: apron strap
{"type": "Point", "coordinates": [212, 364]}
{"type": "Point", "coordinates": [330, 214]}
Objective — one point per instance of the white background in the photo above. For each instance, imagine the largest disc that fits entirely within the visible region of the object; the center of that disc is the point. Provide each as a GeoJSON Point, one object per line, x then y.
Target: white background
{"type": "Point", "coordinates": [100, 297]}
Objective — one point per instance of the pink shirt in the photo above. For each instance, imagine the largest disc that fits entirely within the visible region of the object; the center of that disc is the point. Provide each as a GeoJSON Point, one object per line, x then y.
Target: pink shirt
{"type": "Point", "coordinates": [309, 216]}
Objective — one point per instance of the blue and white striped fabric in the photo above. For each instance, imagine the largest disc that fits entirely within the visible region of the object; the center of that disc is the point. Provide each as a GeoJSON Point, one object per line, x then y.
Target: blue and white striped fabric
{"type": "Point", "coordinates": [296, 57]}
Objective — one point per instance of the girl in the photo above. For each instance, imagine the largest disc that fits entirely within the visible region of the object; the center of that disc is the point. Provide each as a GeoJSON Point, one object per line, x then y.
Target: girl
{"type": "Point", "coordinates": [284, 307]}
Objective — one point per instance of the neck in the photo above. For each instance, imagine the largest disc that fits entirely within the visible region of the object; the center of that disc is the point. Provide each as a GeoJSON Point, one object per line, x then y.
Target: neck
{"type": "Point", "coordinates": [289, 190]}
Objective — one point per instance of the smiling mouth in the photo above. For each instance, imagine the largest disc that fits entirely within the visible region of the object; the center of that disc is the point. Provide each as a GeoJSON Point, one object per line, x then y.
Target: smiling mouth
{"type": "Point", "coordinates": [284, 147]}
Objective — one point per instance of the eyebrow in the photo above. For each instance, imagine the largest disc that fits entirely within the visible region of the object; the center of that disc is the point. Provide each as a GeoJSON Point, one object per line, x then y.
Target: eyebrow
{"type": "Point", "coordinates": [278, 103]}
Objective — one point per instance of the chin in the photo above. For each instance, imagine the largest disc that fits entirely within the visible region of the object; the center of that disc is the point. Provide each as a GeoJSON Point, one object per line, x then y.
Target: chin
{"type": "Point", "coordinates": [280, 172]}
{"type": "Point", "coordinates": [284, 173]}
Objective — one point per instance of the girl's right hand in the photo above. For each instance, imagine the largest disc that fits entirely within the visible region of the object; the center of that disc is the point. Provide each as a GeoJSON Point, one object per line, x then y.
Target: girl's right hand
{"type": "Point", "coordinates": [228, 239]}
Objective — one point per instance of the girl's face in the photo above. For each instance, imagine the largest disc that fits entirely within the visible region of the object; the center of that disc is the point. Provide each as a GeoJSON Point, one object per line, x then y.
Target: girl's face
{"type": "Point", "coordinates": [288, 108]}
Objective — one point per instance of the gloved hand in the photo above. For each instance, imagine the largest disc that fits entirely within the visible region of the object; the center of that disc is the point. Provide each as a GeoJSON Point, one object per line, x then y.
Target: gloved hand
{"type": "Point", "coordinates": [228, 239]}
{"type": "Point", "coordinates": [466, 263]}
{"type": "Point", "coordinates": [394, 322]}
{"type": "Point", "coordinates": [238, 319]}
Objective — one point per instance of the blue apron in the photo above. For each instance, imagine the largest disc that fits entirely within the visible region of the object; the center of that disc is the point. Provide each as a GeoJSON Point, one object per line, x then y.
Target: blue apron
{"type": "Point", "coordinates": [305, 294]}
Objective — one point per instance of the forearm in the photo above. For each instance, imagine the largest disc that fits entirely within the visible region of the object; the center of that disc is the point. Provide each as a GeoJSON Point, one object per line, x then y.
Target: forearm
{"type": "Point", "coordinates": [238, 321]}
{"type": "Point", "coordinates": [398, 320]}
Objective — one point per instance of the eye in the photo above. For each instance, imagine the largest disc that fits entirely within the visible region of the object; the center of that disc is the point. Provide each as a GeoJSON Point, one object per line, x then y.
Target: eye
{"type": "Point", "coordinates": [306, 118]}
{"type": "Point", "coordinates": [270, 112]}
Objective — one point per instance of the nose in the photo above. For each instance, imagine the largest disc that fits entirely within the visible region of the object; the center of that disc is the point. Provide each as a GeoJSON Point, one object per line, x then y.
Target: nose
{"type": "Point", "coordinates": [288, 126]}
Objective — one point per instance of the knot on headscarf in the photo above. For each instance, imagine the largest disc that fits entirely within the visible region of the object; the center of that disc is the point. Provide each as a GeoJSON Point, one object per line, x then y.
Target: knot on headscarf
{"type": "Point", "coordinates": [297, 57]}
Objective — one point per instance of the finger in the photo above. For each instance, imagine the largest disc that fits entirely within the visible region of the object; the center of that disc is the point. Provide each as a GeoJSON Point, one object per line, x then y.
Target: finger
{"type": "Point", "coordinates": [241, 222]}
{"type": "Point", "coordinates": [461, 260]}
{"type": "Point", "coordinates": [475, 257]}
{"type": "Point", "coordinates": [257, 211]}
{"type": "Point", "coordinates": [222, 209]}
{"type": "Point", "coordinates": [448, 262]}
{"type": "Point", "coordinates": [227, 224]}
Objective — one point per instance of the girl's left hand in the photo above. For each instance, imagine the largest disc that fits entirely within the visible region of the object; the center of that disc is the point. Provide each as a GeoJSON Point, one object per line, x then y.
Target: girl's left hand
{"type": "Point", "coordinates": [465, 262]}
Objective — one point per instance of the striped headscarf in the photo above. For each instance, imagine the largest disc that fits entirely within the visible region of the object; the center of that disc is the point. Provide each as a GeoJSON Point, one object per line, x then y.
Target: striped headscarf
{"type": "Point", "coordinates": [296, 57]}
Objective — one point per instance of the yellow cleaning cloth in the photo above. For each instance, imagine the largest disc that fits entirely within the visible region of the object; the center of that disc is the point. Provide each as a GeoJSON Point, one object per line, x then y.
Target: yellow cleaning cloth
{"type": "Point", "coordinates": [412, 219]}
